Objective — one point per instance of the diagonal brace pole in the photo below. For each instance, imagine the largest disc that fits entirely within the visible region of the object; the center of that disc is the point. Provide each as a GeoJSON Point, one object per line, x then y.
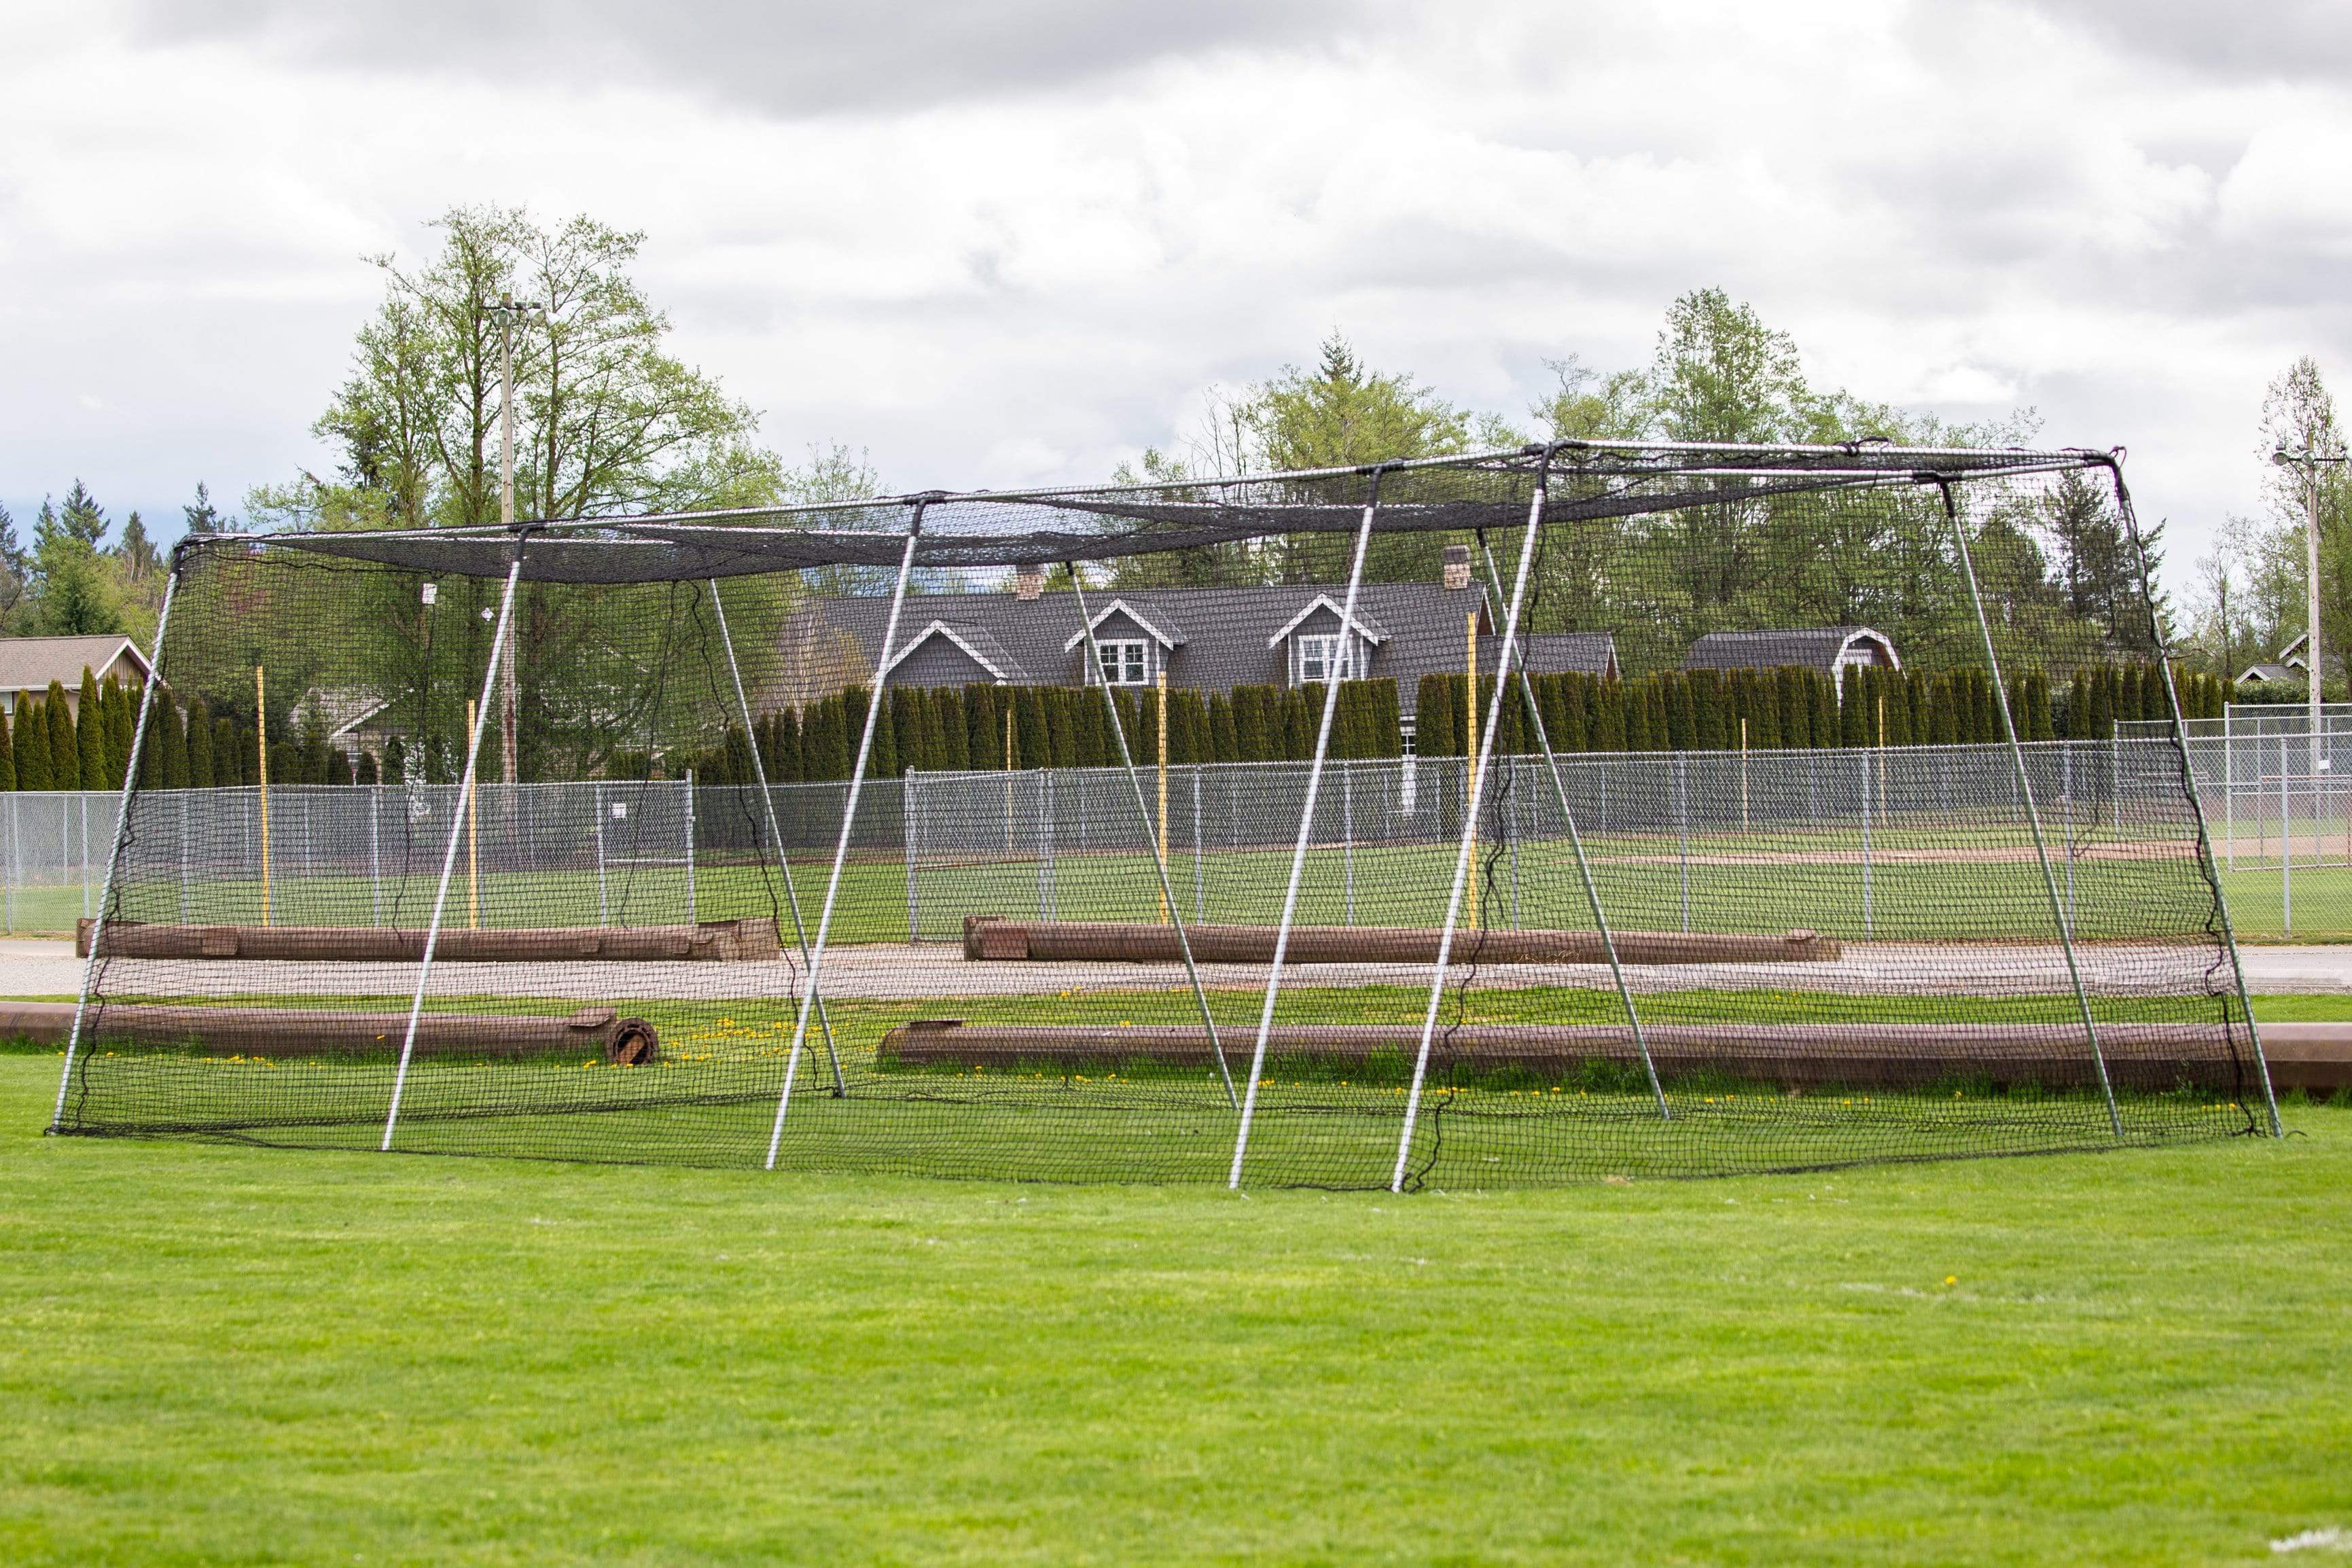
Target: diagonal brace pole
{"type": "Point", "coordinates": [121, 838]}
{"type": "Point", "coordinates": [457, 820]}
{"type": "Point", "coordinates": [2025, 797]}
{"type": "Point", "coordinates": [1143, 815]}
{"type": "Point", "coordinates": [1305, 830]}
{"type": "Point", "coordinates": [848, 823]}
{"type": "Point", "coordinates": [775, 834]}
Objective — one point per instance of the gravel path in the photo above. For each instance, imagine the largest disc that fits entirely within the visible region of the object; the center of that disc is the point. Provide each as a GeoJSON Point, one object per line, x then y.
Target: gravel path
{"type": "Point", "coordinates": [34, 968]}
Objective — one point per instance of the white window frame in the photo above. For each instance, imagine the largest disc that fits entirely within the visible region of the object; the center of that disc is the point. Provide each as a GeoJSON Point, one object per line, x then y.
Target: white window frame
{"type": "Point", "coordinates": [1126, 661]}
{"type": "Point", "coordinates": [1349, 652]}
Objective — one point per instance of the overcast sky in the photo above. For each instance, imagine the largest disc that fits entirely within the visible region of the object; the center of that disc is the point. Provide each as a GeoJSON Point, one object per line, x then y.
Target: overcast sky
{"type": "Point", "coordinates": [1004, 243]}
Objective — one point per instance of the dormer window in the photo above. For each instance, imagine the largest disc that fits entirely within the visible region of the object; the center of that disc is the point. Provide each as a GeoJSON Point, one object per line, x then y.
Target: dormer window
{"type": "Point", "coordinates": [1126, 661]}
{"type": "Point", "coordinates": [1323, 657]}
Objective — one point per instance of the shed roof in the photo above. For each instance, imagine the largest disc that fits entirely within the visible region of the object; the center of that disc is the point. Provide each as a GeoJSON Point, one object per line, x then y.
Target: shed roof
{"type": "Point", "coordinates": [1814, 647]}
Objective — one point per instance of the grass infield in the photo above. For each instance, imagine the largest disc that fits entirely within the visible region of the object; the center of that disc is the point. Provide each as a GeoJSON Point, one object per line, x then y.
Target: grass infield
{"type": "Point", "coordinates": [213, 1354]}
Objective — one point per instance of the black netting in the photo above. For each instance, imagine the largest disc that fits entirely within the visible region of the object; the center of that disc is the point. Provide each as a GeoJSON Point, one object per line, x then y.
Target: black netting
{"type": "Point", "coordinates": [1760, 742]}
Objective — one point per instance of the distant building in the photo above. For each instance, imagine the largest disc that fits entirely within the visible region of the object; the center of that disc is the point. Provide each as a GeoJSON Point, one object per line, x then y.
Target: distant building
{"type": "Point", "coordinates": [350, 715]}
{"type": "Point", "coordinates": [2291, 668]}
{"type": "Point", "coordinates": [1205, 640]}
{"type": "Point", "coordinates": [1829, 649]}
{"type": "Point", "coordinates": [27, 665]}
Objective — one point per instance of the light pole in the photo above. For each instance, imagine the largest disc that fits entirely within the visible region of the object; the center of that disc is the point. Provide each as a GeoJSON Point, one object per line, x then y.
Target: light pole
{"type": "Point", "coordinates": [2308, 460]}
{"type": "Point", "coordinates": [507, 310]}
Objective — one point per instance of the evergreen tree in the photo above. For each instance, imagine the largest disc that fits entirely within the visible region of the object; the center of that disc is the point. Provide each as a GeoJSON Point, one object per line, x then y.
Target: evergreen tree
{"type": "Point", "coordinates": [1061, 732]}
{"type": "Point", "coordinates": [2102, 704]}
{"type": "Point", "coordinates": [983, 728]}
{"type": "Point", "coordinates": [1608, 715]}
{"type": "Point", "coordinates": [788, 764]}
{"type": "Point", "coordinates": [2037, 725]}
{"type": "Point", "coordinates": [64, 755]}
{"type": "Point", "coordinates": [90, 746]}
{"type": "Point", "coordinates": [1433, 725]}
{"type": "Point", "coordinates": [1388, 734]}
{"type": "Point", "coordinates": [1796, 711]}
{"type": "Point", "coordinates": [1706, 710]}
{"type": "Point", "coordinates": [1682, 725]}
{"type": "Point", "coordinates": [232, 760]}
{"type": "Point", "coordinates": [1225, 745]}
{"type": "Point", "coordinates": [366, 774]}
{"type": "Point", "coordinates": [1919, 694]}
{"type": "Point", "coordinates": [33, 752]}
{"type": "Point", "coordinates": [1853, 707]}
{"type": "Point", "coordinates": [1300, 719]}
{"type": "Point", "coordinates": [1032, 730]}
{"type": "Point", "coordinates": [115, 704]}
{"type": "Point", "coordinates": [166, 766]}
{"type": "Point", "coordinates": [7, 755]}
{"type": "Point", "coordinates": [339, 766]}
{"type": "Point", "coordinates": [1824, 720]}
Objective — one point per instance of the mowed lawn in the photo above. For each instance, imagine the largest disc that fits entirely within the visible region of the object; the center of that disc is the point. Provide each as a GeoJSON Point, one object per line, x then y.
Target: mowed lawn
{"type": "Point", "coordinates": [220, 1355]}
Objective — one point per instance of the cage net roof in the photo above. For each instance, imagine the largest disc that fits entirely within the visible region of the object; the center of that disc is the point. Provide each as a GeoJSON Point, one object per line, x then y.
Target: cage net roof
{"type": "Point", "coordinates": [987, 527]}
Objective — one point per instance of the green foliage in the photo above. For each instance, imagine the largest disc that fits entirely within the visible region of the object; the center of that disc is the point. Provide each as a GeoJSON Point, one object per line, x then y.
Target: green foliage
{"type": "Point", "coordinates": [1225, 743]}
{"type": "Point", "coordinates": [33, 766]}
{"type": "Point", "coordinates": [64, 754]}
{"type": "Point", "coordinates": [7, 755]}
{"type": "Point", "coordinates": [93, 762]}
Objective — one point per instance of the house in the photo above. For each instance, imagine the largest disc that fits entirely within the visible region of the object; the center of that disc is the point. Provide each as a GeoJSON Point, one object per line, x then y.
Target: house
{"type": "Point", "coordinates": [27, 665]}
{"type": "Point", "coordinates": [2292, 667]}
{"type": "Point", "coordinates": [1204, 639]}
{"type": "Point", "coordinates": [349, 714]}
{"type": "Point", "coordinates": [1832, 650]}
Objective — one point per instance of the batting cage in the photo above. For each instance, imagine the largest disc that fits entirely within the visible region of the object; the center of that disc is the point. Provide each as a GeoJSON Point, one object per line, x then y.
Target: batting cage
{"type": "Point", "coordinates": [1576, 812]}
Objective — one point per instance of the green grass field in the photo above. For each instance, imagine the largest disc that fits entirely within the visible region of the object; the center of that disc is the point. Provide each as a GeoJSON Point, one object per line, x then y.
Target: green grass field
{"type": "Point", "coordinates": [225, 1355]}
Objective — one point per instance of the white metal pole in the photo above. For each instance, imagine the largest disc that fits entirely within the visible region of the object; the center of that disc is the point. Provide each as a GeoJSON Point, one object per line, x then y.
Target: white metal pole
{"type": "Point", "coordinates": [2286, 844]}
{"type": "Point", "coordinates": [375, 854]}
{"type": "Point", "coordinates": [1866, 782]}
{"type": "Point", "coordinates": [1143, 817]}
{"type": "Point", "coordinates": [848, 821]}
{"type": "Point", "coordinates": [449, 856]}
{"type": "Point", "coordinates": [2230, 780]}
{"type": "Point", "coordinates": [121, 837]}
{"type": "Point", "coordinates": [1681, 831]}
{"type": "Point", "coordinates": [2033, 816]}
{"type": "Point", "coordinates": [690, 847]}
{"type": "Point", "coordinates": [184, 856]}
{"type": "Point", "coordinates": [776, 833]}
{"type": "Point", "coordinates": [1306, 831]}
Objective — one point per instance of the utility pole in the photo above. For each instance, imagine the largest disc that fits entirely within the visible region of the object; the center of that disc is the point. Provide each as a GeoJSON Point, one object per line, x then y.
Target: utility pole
{"type": "Point", "coordinates": [2308, 460]}
{"type": "Point", "coordinates": [507, 311]}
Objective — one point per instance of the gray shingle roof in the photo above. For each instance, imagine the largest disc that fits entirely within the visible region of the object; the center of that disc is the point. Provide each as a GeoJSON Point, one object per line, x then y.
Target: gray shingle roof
{"type": "Point", "coordinates": [1814, 647]}
{"type": "Point", "coordinates": [1224, 631]}
{"type": "Point", "coordinates": [29, 664]}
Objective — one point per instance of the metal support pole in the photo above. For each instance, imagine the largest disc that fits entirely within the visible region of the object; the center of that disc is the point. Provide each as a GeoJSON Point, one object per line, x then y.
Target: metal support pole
{"type": "Point", "coordinates": [776, 833]}
{"type": "Point", "coordinates": [375, 852]}
{"type": "Point", "coordinates": [1682, 830]}
{"type": "Point", "coordinates": [2025, 797]}
{"type": "Point", "coordinates": [1503, 663]}
{"type": "Point", "coordinates": [1866, 783]}
{"type": "Point", "coordinates": [184, 857]}
{"type": "Point", "coordinates": [1348, 839]}
{"type": "Point", "coordinates": [2286, 844]}
{"type": "Point", "coordinates": [121, 837]}
{"type": "Point", "coordinates": [597, 803]}
{"type": "Point", "coordinates": [1306, 831]}
{"type": "Point", "coordinates": [1143, 816]}
{"type": "Point", "coordinates": [2230, 780]}
{"type": "Point", "coordinates": [1200, 892]}
{"type": "Point", "coordinates": [690, 847]}
{"type": "Point", "coordinates": [458, 825]}
{"type": "Point", "coordinates": [848, 822]}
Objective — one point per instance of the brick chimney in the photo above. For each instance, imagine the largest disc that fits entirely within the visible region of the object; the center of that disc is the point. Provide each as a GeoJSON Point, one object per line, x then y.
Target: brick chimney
{"type": "Point", "coordinates": [1028, 581]}
{"type": "Point", "coordinates": [1458, 566]}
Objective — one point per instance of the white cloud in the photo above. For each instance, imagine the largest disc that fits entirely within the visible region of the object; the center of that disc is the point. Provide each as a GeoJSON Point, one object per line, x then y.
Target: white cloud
{"type": "Point", "coordinates": [1018, 251]}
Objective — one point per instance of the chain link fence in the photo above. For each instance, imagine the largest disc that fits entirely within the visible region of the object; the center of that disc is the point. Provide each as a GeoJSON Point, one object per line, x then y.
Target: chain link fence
{"type": "Point", "coordinates": [2281, 813]}
{"type": "Point", "coordinates": [1891, 844]}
